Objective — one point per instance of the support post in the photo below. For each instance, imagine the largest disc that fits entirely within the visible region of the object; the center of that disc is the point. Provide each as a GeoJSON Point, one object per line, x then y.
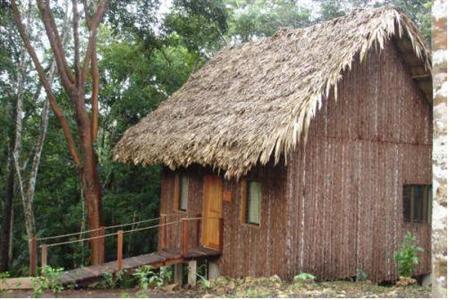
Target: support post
{"type": "Point", "coordinates": [33, 261]}
{"type": "Point", "coordinates": [191, 277]}
{"type": "Point", "coordinates": [44, 254]}
{"type": "Point", "coordinates": [212, 270]}
{"type": "Point", "coordinates": [120, 250]}
{"type": "Point", "coordinates": [185, 237]}
{"type": "Point", "coordinates": [178, 274]}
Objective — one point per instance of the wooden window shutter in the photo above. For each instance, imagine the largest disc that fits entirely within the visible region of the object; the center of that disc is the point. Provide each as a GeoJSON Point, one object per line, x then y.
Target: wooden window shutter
{"type": "Point", "coordinates": [254, 199]}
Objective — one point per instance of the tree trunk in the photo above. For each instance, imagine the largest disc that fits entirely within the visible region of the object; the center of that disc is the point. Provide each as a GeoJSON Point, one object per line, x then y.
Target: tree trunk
{"type": "Point", "coordinates": [89, 177]}
{"type": "Point", "coordinates": [7, 212]}
{"type": "Point", "coordinates": [74, 84]}
{"type": "Point", "coordinates": [92, 198]}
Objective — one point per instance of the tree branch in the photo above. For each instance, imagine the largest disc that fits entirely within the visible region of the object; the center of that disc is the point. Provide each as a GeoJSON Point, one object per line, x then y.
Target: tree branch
{"type": "Point", "coordinates": [76, 40]}
{"type": "Point", "coordinates": [55, 43]}
{"type": "Point", "coordinates": [95, 90]}
{"type": "Point", "coordinates": [51, 97]}
{"type": "Point", "coordinates": [86, 13]}
{"type": "Point", "coordinates": [94, 21]}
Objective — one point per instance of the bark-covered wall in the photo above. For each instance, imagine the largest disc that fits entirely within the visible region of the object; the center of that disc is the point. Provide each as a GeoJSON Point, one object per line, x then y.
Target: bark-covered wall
{"type": "Point", "coordinates": [338, 207]}
{"type": "Point", "coordinates": [439, 72]}
{"type": "Point", "coordinates": [346, 187]}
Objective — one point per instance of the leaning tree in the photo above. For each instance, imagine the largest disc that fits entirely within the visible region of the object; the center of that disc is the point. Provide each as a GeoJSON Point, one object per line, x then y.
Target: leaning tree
{"type": "Point", "coordinates": [77, 79]}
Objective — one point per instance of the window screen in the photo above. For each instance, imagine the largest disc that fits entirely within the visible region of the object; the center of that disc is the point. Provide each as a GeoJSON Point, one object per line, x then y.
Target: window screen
{"type": "Point", "coordinates": [417, 203]}
{"type": "Point", "coordinates": [184, 192]}
{"type": "Point", "coordinates": [253, 206]}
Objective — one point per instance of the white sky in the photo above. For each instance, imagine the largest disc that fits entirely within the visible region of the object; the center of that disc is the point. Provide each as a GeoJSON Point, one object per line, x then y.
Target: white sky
{"type": "Point", "coordinates": [166, 4]}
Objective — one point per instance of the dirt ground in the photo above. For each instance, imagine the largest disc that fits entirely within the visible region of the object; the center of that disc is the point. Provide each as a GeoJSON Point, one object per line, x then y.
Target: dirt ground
{"type": "Point", "coordinates": [248, 287]}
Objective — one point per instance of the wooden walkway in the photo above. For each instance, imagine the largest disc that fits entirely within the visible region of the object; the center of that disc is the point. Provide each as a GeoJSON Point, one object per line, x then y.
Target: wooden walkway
{"type": "Point", "coordinates": [86, 275]}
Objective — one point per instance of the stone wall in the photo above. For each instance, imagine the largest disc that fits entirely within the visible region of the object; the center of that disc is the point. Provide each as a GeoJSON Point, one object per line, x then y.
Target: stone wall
{"type": "Point", "coordinates": [440, 86]}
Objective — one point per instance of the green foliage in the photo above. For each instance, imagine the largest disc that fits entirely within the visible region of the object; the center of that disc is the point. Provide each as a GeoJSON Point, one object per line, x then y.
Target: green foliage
{"type": "Point", "coordinates": [119, 279]}
{"type": "Point", "coordinates": [407, 256]}
{"type": "Point", "coordinates": [148, 277]}
{"type": "Point", "coordinates": [201, 274]}
{"type": "Point", "coordinates": [205, 284]}
{"type": "Point", "coordinates": [3, 277]}
{"type": "Point", "coordinates": [418, 10]}
{"type": "Point", "coordinates": [361, 275]}
{"type": "Point", "coordinates": [49, 280]}
{"type": "Point", "coordinates": [250, 19]}
{"type": "Point", "coordinates": [107, 281]}
{"type": "Point", "coordinates": [304, 277]}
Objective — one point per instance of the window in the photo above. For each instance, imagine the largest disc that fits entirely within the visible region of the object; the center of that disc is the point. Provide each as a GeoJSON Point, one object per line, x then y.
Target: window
{"type": "Point", "coordinates": [251, 198]}
{"type": "Point", "coordinates": [417, 203]}
{"type": "Point", "coordinates": [181, 192]}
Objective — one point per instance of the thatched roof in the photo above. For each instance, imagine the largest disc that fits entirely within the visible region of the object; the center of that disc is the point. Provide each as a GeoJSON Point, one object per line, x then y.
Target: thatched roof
{"type": "Point", "coordinates": [252, 103]}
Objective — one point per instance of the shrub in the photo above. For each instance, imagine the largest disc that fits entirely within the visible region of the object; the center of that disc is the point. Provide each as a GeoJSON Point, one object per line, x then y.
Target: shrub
{"type": "Point", "coordinates": [3, 277]}
{"type": "Point", "coordinates": [50, 279]}
{"type": "Point", "coordinates": [407, 256]}
{"type": "Point", "coordinates": [304, 277]}
{"type": "Point", "coordinates": [361, 275]}
{"type": "Point", "coordinates": [148, 278]}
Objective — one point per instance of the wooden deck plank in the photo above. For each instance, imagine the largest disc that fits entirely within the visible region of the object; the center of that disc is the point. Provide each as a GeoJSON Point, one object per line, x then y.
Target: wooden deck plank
{"type": "Point", "coordinates": [156, 259]}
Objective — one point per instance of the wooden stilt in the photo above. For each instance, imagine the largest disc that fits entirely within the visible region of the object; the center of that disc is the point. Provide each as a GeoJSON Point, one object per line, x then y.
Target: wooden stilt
{"type": "Point", "coordinates": [178, 274]}
{"type": "Point", "coordinates": [191, 278]}
{"type": "Point", "coordinates": [212, 270]}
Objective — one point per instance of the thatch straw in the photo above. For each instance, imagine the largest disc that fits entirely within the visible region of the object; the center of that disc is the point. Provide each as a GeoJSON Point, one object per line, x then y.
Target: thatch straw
{"type": "Point", "coordinates": [253, 103]}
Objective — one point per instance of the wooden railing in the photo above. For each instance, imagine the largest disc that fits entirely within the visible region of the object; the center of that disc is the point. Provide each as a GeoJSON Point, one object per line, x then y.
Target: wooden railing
{"type": "Point", "coordinates": [163, 231]}
{"type": "Point", "coordinates": [99, 234]}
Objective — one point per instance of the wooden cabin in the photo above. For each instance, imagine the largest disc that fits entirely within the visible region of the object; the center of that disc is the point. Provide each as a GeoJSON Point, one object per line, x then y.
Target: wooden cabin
{"type": "Point", "coordinates": [312, 146]}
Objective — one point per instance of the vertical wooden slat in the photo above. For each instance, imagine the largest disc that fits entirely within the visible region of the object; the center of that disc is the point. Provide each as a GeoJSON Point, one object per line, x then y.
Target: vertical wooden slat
{"type": "Point", "coordinates": [176, 193]}
{"type": "Point", "coordinates": [44, 254]}
{"type": "Point", "coordinates": [221, 228]}
{"type": "Point", "coordinates": [33, 262]}
{"type": "Point", "coordinates": [120, 250]}
{"type": "Point", "coordinates": [243, 200]}
{"type": "Point", "coordinates": [185, 237]}
{"type": "Point", "coordinates": [198, 230]}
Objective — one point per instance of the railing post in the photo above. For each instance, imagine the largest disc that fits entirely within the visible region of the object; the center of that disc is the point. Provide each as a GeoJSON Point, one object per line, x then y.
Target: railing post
{"type": "Point", "coordinates": [185, 237]}
{"type": "Point", "coordinates": [44, 254]}
{"type": "Point", "coordinates": [120, 250]}
{"type": "Point", "coordinates": [33, 262]}
{"type": "Point", "coordinates": [221, 225]}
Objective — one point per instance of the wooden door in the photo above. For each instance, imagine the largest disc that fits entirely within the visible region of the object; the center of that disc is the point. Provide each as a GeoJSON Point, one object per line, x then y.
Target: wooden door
{"type": "Point", "coordinates": [212, 211]}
